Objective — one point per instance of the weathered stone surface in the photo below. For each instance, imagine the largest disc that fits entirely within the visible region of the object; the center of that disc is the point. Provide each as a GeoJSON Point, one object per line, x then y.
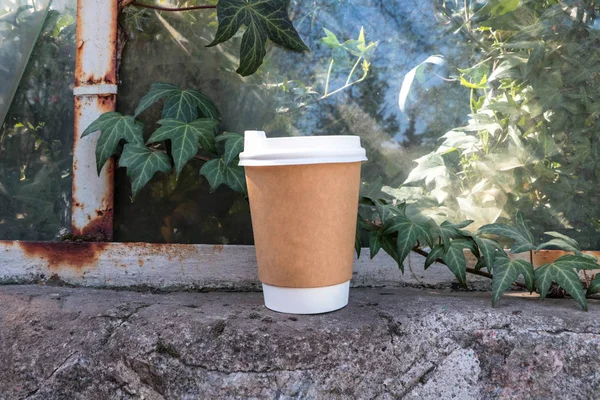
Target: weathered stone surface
{"type": "Point", "coordinates": [62, 343]}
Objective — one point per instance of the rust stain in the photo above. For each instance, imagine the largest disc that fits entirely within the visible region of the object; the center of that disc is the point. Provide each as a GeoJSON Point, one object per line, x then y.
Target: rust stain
{"type": "Point", "coordinates": [108, 38]}
{"type": "Point", "coordinates": [106, 102]}
{"type": "Point", "coordinates": [61, 255]}
{"type": "Point", "coordinates": [99, 228]}
{"type": "Point", "coordinates": [218, 248]}
{"type": "Point", "coordinates": [141, 262]}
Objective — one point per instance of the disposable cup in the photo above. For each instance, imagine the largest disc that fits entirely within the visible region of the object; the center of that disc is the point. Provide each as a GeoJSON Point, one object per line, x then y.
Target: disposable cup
{"type": "Point", "coordinates": [303, 194]}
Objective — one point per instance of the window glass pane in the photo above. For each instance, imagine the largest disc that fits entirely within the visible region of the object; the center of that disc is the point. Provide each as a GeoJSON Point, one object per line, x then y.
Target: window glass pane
{"type": "Point", "coordinates": [36, 136]}
{"type": "Point", "coordinates": [497, 104]}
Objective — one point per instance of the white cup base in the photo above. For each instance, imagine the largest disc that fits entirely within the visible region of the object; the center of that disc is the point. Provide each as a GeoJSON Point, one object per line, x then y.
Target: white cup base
{"type": "Point", "coordinates": [306, 300]}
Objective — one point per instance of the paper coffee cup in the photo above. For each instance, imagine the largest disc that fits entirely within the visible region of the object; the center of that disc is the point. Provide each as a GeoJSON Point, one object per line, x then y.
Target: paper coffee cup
{"type": "Point", "coordinates": [303, 195]}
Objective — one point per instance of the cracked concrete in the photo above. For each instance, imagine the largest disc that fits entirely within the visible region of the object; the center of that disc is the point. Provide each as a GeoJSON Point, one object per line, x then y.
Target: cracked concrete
{"type": "Point", "coordinates": [65, 343]}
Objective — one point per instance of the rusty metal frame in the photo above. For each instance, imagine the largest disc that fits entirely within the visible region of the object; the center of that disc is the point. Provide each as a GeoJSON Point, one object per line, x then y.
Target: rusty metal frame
{"type": "Point", "coordinates": [95, 93]}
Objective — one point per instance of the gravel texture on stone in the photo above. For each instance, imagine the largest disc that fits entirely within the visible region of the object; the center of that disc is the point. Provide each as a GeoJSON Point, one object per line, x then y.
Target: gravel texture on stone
{"type": "Point", "coordinates": [66, 343]}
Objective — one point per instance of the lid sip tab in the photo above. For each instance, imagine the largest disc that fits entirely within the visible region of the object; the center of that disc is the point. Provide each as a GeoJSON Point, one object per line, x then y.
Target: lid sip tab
{"type": "Point", "coordinates": [299, 150]}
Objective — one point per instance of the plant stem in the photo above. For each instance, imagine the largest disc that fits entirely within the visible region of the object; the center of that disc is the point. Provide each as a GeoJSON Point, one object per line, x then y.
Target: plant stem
{"type": "Point", "coordinates": [469, 270]}
{"type": "Point", "coordinates": [353, 69]}
{"type": "Point", "coordinates": [135, 3]}
{"type": "Point", "coordinates": [328, 77]}
{"type": "Point", "coordinates": [342, 88]}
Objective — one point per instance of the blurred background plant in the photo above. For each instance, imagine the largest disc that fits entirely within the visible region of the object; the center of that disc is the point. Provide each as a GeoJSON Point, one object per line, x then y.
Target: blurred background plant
{"type": "Point", "coordinates": [532, 139]}
{"type": "Point", "coordinates": [36, 134]}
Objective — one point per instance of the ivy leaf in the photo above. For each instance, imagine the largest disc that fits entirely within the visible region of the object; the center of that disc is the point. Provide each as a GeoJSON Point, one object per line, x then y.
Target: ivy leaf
{"type": "Point", "coordinates": [594, 285]}
{"type": "Point", "coordinates": [234, 144]}
{"type": "Point", "coordinates": [357, 241]}
{"type": "Point", "coordinates": [142, 163]}
{"type": "Point", "coordinates": [488, 248]}
{"type": "Point", "coordinates": [449, 231]}
{"type": "Point", "coordinates": [408, 234]}
{"type": "Point", "coordinates": [506, 271]}
{"type": "Point", "coordinates": [522, 227]}
{"type": "Point", "coordinates": [264, 19]}
{"type": "Point", "coordinates": [456, 261]}
{"type": "Point", "coordinates": [523, 239]}
{"type": "Point", "coordinates": [181, 104]}
{"type": "Point", "coordinates": [157, 91]}
{"type": "Point", "coordinates": [561, 242]}
{"type": "Point", "coordinates": [577, 262]}
{"type": "Point", "coordinates": [436, 252]}
{"type": "Point", "coordinates": [185, 105]}
{"type": "Point", "coordinates": [338, 53]}
{"type": "Point", "coordinates": [185, 138]}
{"type": "Point", "coordinates": [218, 172]}
{"type": "Point", "coordinates": [113, 127]}
{"type": "Point", "coordinates": [565, 276]}
{"type": "Point", "coordinates": [378, 240]}
{"type": "Point", "coordinates": [388, 211]}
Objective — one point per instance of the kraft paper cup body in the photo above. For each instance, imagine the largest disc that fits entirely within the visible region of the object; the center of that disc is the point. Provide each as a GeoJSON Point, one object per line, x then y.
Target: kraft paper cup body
{"type": "Point", "coordinates": [303, 202]}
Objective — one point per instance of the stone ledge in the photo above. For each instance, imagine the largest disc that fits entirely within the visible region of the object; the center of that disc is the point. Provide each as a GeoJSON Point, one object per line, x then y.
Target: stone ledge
{"type": "Point", "coordinates": [63, 343]}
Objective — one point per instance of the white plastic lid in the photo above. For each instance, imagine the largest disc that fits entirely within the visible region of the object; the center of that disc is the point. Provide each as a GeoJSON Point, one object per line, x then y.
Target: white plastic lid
{"type": "Point", "coordinates": [297, 150]}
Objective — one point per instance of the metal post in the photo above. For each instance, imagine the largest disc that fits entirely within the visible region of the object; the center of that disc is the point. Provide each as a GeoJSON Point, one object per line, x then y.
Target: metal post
{"type": "Point", "coordinates": [95, 93]}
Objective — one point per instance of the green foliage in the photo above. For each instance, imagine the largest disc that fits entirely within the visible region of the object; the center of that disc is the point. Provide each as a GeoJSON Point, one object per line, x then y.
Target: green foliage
{"type": "Point", "coordinates": [218, 172]}
{"type": "Point", "coordinates": [183, 105]}
{"type": "Point", "coordinates": [36, 136]}
{"type": "Point", "coordinates": [234, 144]}
{"type": "Point", "coordinates": [185, 138]}
{"type": "Point", "coordinates": [398, 232]}
{"type": "Point", "coordinates": [114, 127]}
{"type": "Point", "coordinates": [181, 127]}
{"type": "Point", "coordinates": [506, 271]}
{"type": "Point", "coordinates": [142, 163]}
{"type": "Point", "coordinates": [531, 142]}
{"type": "Point", "coordinates": [264, 19]}
{"type": "Point", "coordinates": [594, 285]}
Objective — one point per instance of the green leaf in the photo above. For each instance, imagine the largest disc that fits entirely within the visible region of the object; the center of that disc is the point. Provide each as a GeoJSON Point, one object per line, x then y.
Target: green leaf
{"type": "Point", "coordinates": [375, 242]}
{"type": "Point", "coordinates": [113, 127]}
{"type": "Point", "coordinates": [436, 252]}
{"type": "Point", "coordinates": [506, 271]}
{"type": "Point", "coordinates": [561, 242]}
{"type": "Point", "coordinates": [185, 138]}
{"type": "Point", "coordinates": [480, 85]}
{"type": "Point", "coordinates": [184, 105]}
{"type": "Point", "coordinates": [565, 276]}
{"type": "Point", "coordinates": [522, 240]}
{"type": "Point", "coordinates": [357, 241]}
{"type": "Point", "coordinates": [594, 285]}
{"type": "Point", "coordinates": [388, 211]}
{"type": "Point", "coordinates": [330, 40]}
{"type": "Point", "coordinates": [576, 262]}
{"type": "Point", "coordinates": [142, 163]}
{"type": "Point", "coordinates": [408, 234]}
{"type": "Point", "coordinates": [218, 172]}
{"type": "Point", "coordinates": [456, 261]}
{"type": "Point", "coordinates": [264, 19]}
{"type": "Point", "coordinates": [392, 249]}
{"type": "Point", "coordinates": [522, 227]}
{"type": "Point", "coordinates": [488, 248]}
{"type": "Point", "coordinates": [234, 144]}
{"type": "Point", "coordinates": [157, 91]}
{"type": "Point", "coordinates": [449, 231]}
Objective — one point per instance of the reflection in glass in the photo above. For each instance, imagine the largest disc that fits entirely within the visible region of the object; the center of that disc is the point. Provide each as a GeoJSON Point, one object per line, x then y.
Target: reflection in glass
{"type": "Point", "coordinates": [505, 119]}
{"type": "Point", "coordinates": [36, 136]}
